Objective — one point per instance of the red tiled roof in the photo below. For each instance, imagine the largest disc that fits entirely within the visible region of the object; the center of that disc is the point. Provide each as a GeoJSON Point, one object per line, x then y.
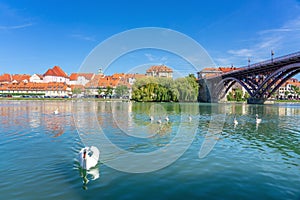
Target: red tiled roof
{"type": "Point", "coordinates": [36, 86]}
{"type": "Point", "coordinates": [5, 78]}
{"type": "Point", "coordinates": [20, 77]}
{"type": "Point", "coordinates": [56, 71]}
{"type": "Point", "coordinates": [228, 69]}
{"type": "Point", "coordinates": [77, 87]}
{"type": "Point", "coordinates": [210, 69]}
{"type": "Point", "coordinates": [159, 68]}
{"type": "Point", "coordinates": [94, 81]}
{"type": "Point", "coordinates": [74, 76]}
{"type": "Point", "coordinates": [113, 80]}
{"type": "Point", "coordinates": [136, 76]}
{"type": "Point", "coordinates": [39, 75]}
{"type": "Point", "coordinates": [292, 82]}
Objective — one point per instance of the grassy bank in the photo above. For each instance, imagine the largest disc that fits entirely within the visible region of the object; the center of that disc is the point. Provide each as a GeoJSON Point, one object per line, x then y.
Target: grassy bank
{"type": "Point", "coordinates": [287, 101]}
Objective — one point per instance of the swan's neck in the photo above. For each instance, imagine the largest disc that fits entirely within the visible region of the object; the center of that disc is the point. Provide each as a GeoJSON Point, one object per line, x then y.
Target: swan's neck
{"type": "Point", "coordinates": [84, 163]}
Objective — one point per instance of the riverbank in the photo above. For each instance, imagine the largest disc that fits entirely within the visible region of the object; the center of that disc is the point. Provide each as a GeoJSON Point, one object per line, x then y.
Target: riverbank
{"type": "Point", "coordinates": [59, 99]}
{"type": "Point", "coordinates": [123, 100]}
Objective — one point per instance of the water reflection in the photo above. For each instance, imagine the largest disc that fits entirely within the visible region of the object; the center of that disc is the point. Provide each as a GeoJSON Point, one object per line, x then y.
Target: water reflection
{"type": "Point", "coordinates": [278, 130]}
{"type": "Point", "coordinates": [88, 175]}
{"type": "Point", "coordinates": [37, 116]}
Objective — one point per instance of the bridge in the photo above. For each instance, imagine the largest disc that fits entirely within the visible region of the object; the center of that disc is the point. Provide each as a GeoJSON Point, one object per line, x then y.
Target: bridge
{"type": "Point", "coordinates": [261, 80]}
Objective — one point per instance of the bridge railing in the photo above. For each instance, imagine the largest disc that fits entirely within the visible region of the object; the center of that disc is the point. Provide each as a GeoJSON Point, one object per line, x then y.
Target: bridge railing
{"type": "Point", "coordinates": [278, 59]}
{"type": "Point", "coordinates": [259, 64]}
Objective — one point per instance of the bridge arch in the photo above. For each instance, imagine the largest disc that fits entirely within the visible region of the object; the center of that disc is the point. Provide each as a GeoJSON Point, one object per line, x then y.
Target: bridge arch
{"type": "Point", "coordinates": [225, 84]}
{"type": "Point", "coordinates": [277, 79]}
{"type": "Point", "coordinates": [265, 89]}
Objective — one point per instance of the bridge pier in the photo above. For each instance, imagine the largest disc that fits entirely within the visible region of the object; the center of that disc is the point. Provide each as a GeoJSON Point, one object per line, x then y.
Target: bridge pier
{"type": "Point", "coordinates": [204, 94]}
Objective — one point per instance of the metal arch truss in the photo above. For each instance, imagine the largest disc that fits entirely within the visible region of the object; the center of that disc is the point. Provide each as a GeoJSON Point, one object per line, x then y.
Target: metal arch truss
{"type": "Point", "coordinates": [259, 85]}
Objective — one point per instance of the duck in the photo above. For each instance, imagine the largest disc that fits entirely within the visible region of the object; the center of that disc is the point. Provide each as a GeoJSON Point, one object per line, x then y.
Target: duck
{"type": "Point", "coordinates": [88, 157]}
{"type": "Point", "coordinates": [257, 119]}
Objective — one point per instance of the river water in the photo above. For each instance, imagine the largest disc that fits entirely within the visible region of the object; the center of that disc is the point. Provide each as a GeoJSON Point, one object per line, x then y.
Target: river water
{"type": "Point", "coordinates": [198, 154]}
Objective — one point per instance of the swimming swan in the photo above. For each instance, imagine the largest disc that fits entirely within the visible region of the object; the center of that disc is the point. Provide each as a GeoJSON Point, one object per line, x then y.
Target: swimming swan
{"type": "Point", "coordinates": [235, 121]}
{"type": "Point", "coordinates": [88, 157]}
{"type": "Point", "coordinates": [257, 119]}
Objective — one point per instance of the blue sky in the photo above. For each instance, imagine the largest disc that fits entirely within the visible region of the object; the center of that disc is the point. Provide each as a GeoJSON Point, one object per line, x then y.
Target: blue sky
{"type": "Point", "coordinates": [36, 35]}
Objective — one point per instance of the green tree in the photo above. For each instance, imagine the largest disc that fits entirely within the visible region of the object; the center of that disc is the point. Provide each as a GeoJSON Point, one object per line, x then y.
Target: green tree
{"type": "Point", "coordinates": [246, 95]}
{"type": "Point", "coordinates": [230, 96]}
{"type": "Point", "coordinates": [238, 95]}
{"type": "Point", "coordinates": [76, 91]}
{"type": "Point", "coordinates": [100, 91]}
{"type": "Point", "coordinates": [121, 91]}
{"type": "Point", "coordinates": [108, 91]}
{"type": "Point", "coordinates": [296, 89]}
{"type": "Point", "coordinates": [187, 88]}
{"type": "Point", "coordinates": [286, 93]}
{"type": "Point", "coordinates": [165, 89]}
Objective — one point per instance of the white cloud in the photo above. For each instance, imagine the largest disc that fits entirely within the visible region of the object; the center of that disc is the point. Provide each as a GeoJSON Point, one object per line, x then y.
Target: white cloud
{"type": "Point", "coordinates": [12, 19]}
{"type": "Point", "coordinates": [269, 42]}
{"type": "Point", "coordinates": [153, 58]}
{"type": "Point", "coordinates": [164, 59]}
{"type": "Point", "coordinates": [284, 39]}
{"type": "Point", "coordinates": [83, 37]}
{"type": "Point", "coordinates": [276, 30]}
{"type": "Point", "coordinates": [149, 56]}
{"type": "Point", "coordinates": [15, 27]}
{"type": "Point", "coordinates": [241, 52]}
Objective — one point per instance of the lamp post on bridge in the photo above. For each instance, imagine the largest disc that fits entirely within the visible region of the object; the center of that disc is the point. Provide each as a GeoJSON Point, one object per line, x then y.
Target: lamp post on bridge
{"type": "Point", "coordinates": [248, 62]}
{"type": "Point", "coordinates": [272, 55]}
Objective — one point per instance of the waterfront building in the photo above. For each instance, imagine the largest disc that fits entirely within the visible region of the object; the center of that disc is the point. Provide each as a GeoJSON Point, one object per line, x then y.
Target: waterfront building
{"type": "Point", "coordinates": [289, 90]}
{"type": "Point", "coordinates": [81, 78]}
{"type": "Point", "coordinates": [210, 72]}
{"type": "Point", "coordinates": [18, 78]}
{"type": "Point", "coordinates": [36, 78]}
{"type": "Point", "coordinates": [160, 71]}
{"type": "Point", "coordinates": [56, 74]}
{"type": "Point", "coordinates": [5, 78]}
{"type": "Point", "coordinates": [51, 89]}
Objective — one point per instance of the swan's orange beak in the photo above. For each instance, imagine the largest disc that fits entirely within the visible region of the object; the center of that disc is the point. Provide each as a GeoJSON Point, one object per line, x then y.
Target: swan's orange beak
{"type": "Point", "coordinates": [84, 154]}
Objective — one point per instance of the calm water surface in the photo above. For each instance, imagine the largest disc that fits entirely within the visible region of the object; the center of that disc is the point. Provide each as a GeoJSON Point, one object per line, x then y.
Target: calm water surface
{"type": "Point", "coordinates": [39, 149]}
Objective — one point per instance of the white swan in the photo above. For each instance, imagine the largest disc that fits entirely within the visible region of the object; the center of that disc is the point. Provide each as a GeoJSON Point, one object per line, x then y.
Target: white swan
{"type": "Point", "coordinates": [159, 120]}
{"type": "Point", "coordinates": [56, 111]}
{"type": "Point", "coordinates": [167, 119]}
{"type": "Point", "coordinates": [257, 119]}
{"type": "Point", "coordinates": [151, 118]}
{"type": "Point", "coordinates": [235, 121]}
{"type": "Point", "coordinates": [190, 118]}
{"type": "Point", "coordinates": [88, 157]}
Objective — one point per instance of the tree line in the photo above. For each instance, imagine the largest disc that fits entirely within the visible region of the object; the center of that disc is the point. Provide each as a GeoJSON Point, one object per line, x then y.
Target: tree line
{"type": "Point", "coordinates": [157, 89]}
